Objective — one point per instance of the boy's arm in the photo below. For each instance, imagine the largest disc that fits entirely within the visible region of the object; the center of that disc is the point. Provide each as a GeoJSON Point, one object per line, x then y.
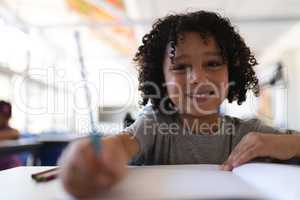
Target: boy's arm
{"type": "Point", "coordinates": [128, 143]}
{"type": "Point", "coordinates": [256, 144]}
{"type": "Point", "coordinates": [85, 174]}
{"type": "Point", "coordinates": [9, 134]}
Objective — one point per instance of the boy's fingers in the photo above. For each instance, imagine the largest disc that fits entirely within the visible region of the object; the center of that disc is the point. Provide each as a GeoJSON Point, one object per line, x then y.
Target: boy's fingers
{"type": "Point", "coordinates": [103, 181]}
{"type": "Point", "coordinates": [248, 147]}
{"type": "Point", "coordinates": [246, 156]}
{"type": "Point", "coordinates": [225, 167]}
{"type": "Point", "coordinates": [114, 165]}
{"type": "Point", "coordinates": [236, 150]}
{"type": "Point", "coordinates": [241, 148]}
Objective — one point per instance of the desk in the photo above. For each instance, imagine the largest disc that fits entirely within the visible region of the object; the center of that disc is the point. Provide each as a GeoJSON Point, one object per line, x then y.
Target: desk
{"type": "Point", "coordinates": [18, 146]}
{"type": "Point", "coordinates": [45, 148]}
{"type": "Point", "coordinates": [16, 183]}
{"type": "Point", "coordinates": [250, 181]}
{"type": "Point", "coordinates": [61, 138]}
{"type": "Point", "coordinates": [156, 182]}
{"type": "Point", "coordinates": [53, 145]}
{"type": "Point", "coordinates": [34, 144]}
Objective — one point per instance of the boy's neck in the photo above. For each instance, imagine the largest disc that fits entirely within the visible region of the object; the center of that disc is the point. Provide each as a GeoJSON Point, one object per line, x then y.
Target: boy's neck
{"type": "Point", "coordinates": [201, 124]}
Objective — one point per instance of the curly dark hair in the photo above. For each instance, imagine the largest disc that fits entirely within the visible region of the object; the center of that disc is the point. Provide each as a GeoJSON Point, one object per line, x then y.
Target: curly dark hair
{"type": "Point", "coordinates": [150, 55]}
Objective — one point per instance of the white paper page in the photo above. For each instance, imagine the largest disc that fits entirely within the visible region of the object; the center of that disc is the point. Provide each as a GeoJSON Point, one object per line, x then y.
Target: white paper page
{"type": "Point", "coordinates": [277, 181]}
{"type": "Point", "coordinates": [182, 182]}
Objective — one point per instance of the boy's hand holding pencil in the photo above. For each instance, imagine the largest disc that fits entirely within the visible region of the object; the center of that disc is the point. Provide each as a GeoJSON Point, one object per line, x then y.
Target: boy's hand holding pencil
{"type": "Point", "coordinates": [84, 173]}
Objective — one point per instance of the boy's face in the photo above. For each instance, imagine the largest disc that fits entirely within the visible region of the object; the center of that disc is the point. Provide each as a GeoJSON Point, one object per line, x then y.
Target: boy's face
{"type": "Point", "coordinates": [197, 81]}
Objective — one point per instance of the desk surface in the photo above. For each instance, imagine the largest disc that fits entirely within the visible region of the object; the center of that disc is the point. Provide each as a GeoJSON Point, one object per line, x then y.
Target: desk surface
{"type": "Point", "coordinates": [156, 182]}
{"type": "Point", "coordinates": [58, 138]}
{"type": "Point", "coordinates": [33, 144]}
{"type": "Point", "coordinates": [17, 146]}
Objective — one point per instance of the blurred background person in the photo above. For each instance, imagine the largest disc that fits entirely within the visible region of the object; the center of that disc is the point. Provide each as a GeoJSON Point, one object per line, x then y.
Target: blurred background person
{"type": "Point", "coordinates": [7, 133]}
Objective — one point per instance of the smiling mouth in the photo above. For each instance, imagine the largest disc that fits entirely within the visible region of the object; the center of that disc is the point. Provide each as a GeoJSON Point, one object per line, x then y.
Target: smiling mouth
{"type": "Point", "coordinates": [204, 94]}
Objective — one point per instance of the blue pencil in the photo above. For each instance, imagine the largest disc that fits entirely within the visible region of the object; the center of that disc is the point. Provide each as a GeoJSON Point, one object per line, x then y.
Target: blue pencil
{"type": "Point", "coordinates": [94, 136]}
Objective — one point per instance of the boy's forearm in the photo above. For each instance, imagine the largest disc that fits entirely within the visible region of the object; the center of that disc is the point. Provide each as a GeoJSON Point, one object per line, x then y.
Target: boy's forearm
{"type": "Point", "coordinates": [292, 142]}
{"type": "Point", "coordinates": [128, 143]}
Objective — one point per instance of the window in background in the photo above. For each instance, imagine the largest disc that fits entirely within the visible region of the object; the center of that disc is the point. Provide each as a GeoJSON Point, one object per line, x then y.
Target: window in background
{"type": "Point", "coordinates": [4, 87]}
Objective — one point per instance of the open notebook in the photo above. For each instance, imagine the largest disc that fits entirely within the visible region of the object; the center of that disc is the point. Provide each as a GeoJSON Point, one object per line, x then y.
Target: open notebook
{"type": "Point", "coordinates": [250, 181]}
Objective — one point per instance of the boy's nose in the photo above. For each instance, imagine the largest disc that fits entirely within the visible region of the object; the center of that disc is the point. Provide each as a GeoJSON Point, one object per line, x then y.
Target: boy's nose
{"type": "Point", "coordinates": [197, 75]}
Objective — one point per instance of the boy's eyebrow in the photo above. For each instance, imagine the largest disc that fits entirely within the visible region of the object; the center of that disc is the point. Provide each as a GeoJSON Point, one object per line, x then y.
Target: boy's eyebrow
{"type": "Point", "coordinates": [207, 53]}
{"type": "Point", "coordinates": [183, 56]}
{"type": "Point", "coordinates": [212, 53]}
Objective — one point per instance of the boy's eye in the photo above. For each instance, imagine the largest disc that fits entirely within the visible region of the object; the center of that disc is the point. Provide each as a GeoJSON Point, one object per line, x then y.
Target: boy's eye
{"type": "Point", "coordinates": [214, 64]}
{"type": "Point", "coordinates": [180, 67]}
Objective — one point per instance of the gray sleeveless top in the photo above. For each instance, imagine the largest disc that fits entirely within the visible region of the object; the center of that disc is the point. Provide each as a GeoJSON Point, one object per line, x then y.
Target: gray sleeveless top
{"type": "Point", "coordinates": [163, 140]}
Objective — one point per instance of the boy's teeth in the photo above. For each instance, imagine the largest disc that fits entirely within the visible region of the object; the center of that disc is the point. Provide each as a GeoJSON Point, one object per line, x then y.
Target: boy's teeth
{"type": "Point", "coordinates": [201, 95]}
{"type": "Point", "coordinates": [204, 94]}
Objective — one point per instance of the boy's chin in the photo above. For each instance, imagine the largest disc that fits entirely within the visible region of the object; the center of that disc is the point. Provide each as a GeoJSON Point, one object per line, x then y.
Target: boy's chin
{"type": "Point", "coordinates": [200, 112]}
